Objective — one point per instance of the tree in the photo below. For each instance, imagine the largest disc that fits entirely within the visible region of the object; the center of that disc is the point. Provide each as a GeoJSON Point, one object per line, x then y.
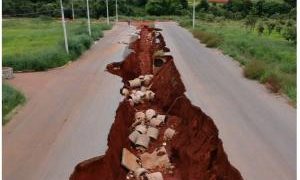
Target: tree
{"type": "Point", "coordinates": [250, 22]}
{"type": "Point", "coordinates": [278, 28]}
{"type": "Point", "coordinates": [203, 5]}
{"type": "Point", "coordinates": [260, 28]}
{"type": "Point", "coordinates": [290, 34]}
{"type": "Point", "coordinates": [271, 25]}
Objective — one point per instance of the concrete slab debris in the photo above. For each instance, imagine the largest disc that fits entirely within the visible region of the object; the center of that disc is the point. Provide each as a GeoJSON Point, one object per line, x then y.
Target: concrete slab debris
{"type": "Point", "coordinates": [133, 136]}
{"type": "Point", "coordinates": [150, 113]}
{"type": "Point", "coordinates": [158, 158]}
{"type": "Point", "coordinates": [141, 128]}
{"type": "Point", "coordinates": [140, 116]}
{"type": "Point", "coordinates": [143, 140]}
{"type": "Point", "coordinates": [169, 133]}
{"type": "Point", "coordinates": [129, 160]}
{"type": "Point", "coordinates": [155, 176]}
{"type": "Point", "coordinates": [135, 82]}
{"type": "Point", "coordinates": [140, 172]}
{"type": "Point", "coordinates": [155, 122]}
{"type": "Point", "coordinates": [153, 132]}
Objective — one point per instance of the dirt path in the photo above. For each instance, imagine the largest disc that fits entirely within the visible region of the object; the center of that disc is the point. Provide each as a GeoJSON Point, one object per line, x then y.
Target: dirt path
{"type": "Point", "coordinates": [258, 129]}
{"type": "Point", "coordinates": [67, 116]}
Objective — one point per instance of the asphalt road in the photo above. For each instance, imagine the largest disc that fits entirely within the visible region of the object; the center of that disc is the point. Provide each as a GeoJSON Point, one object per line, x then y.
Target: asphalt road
{"type": "Point", "coordinates": [67, 116]}
{"type": "Point", "coordinates": [258, 128]}
{"type": "Point", "coordinates": [70, 110]}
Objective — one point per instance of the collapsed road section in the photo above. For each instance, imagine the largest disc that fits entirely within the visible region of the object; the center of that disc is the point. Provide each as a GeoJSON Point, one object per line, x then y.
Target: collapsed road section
{"type": "Point", "coordinates": [157, 133]}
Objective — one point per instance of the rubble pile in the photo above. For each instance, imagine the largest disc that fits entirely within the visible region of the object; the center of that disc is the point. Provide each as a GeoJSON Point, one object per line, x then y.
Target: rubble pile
{"type": "Point", "coordinates": [157, 133]}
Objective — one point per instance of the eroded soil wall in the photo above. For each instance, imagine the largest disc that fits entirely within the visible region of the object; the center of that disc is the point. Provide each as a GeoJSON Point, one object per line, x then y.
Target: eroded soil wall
{"type": "Point", "coordinates": [196, 150]}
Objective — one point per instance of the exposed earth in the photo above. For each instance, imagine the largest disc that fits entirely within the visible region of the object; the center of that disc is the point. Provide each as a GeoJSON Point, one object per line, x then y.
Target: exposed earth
{"type": "Point", "coordinates": [70, 111]}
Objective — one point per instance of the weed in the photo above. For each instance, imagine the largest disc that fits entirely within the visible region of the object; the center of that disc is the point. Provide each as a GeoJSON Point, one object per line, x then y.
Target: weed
{"type": "Point", "coordinates": [11, 98]}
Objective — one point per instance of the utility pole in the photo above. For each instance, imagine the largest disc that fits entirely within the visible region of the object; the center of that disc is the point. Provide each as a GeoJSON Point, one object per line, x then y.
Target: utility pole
{"type": "Point", "coordinates": [64, 26]}
{"type": "Point", "coordinates": [88, 16]}
{"type": "Point", "coordinates": [107, 15]}
{"type": "Point", "coordinates": [73, 16]}
{"type": "Point", "coordinates": [194, 14]}
{"type": "Point", "coordinates": [117, 11]}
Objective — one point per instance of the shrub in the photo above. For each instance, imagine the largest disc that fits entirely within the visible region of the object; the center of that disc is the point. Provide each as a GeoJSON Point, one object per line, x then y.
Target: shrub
{"type": "Point", "coordinates": [11, 98]}
{"type": "Point", "coordinates": [254, 69]}
{"type": "Point", "coordinates": [290, 34]}
{"type": "Point", "coordinates": [38, 61]}
{"type": "Point", "coordinates": [260, 28]}
{"type": "Point", "coordinates": [273, 82]}
{"type": "Point", "coordinates": [210, 39]}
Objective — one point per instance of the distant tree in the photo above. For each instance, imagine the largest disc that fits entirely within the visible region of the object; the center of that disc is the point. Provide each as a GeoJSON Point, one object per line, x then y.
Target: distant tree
{"type": "Point", "coordinates": [164, 7]}
{"type": "Point", "coordinates": [290, 34]}
{"type": "Point", "coordinates": [292, 3]}
{"type": "Point", "coordinates": [271, 25]}
{"type": "Point", "coordinates": [184, 4]}
{"type": "Point", "coordinates": [260, 28]}
{"type": "Point", "coordinates": [293, 14]}
{"type": "Point", "coordinates": [278, 28]}
{"type": "Point", "coordinates": [203, 5]}
{"type": "Point", "coordinates": [250, 22]}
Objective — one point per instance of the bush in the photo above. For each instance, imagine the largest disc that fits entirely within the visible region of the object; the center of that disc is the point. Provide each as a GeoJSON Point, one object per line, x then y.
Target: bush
{"type": "Point", "coordinates": [38, 61]}
{"type": "Point", "coordinates": [210, 39]}
{"type": "Point", "coordinates": [254, 69]}
{"type": "Point", "coordinates": [11, 98]}
{"type": "Point", "coordinates": [290, 34]}
{"type": "Point", "coordinates": [260, 28]}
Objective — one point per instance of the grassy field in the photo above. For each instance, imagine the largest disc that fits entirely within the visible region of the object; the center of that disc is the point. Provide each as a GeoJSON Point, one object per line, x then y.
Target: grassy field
{"type": "Point", "coordinates": [268, 58]}
{"type": "Point", "coordinates": [11, 98]}
{"type": "Point", "coordinates": [38, 44]}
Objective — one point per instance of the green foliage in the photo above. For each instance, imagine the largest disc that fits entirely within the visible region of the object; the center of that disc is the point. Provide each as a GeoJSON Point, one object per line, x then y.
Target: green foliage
{"type": "Point", "coordinates": [165, 7]}
{"type": "Point", "coordinates": [37, 45]}
{"type": "Point", "coordinates": [11, 98]}
{"type": "Point", "coordinates": [260, 28]}
{"type": "Point", "coordinates": [203, 5]}
{"type": "Point", "coordinates": [278, 28]}
{"type": "Point", "coordinates": [250, 22]}
{"type": "Point", "coordinates": [255, 69]}
{"type": "Point", "coordinates": [210, 39]}
{"type": "Point", "coordinates": [268, 58]}
{"type": "Point", "coordinates": [271, 25]}
{"type": "Point", "coordinates": [290, 34]}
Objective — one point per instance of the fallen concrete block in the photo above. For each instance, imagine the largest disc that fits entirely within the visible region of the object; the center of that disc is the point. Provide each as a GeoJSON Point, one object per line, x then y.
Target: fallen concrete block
{"type": "Point", "coordinates": [129, 160]}
{"type": "Point", "coordinates": [140, 116]}
{"type": "Point", "coordinates": [158, 158]}
{"type": "Point", "coordinates": [125, 92]}
{"type": "Point", "coordinates": [135, 83]}
{"type": "Point", "coordinates": [149, 95]}
{"type": "Point", "coordinates": [161, 117]}
{"type": "Point", "coordinates": [153, 132]}
{"type": "Point", "coordinates": [147, 79]}
{"type": "Point", "coordinates": [141, 128]}
{"type": "Point", "coordinates": [155, 122]}
{"type": "Point", "coordinates": [143, 140]}
{"type": "Point", "coordinates": [155, 176]}
{"type": "Point", "coordinates": [169, 133]}
{"type": "Point", "coordinates": [143, 89]}
{"type": "Point", "coordinates": [138, 173]}
{"type": "Point", "coordinates": [150, 113]}
{"type": "Point", "coordinates": [133, 136]}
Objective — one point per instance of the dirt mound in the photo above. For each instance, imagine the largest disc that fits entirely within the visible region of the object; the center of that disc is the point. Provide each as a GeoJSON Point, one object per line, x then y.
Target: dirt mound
{"type": "Point", "coordinates": [186, 144]}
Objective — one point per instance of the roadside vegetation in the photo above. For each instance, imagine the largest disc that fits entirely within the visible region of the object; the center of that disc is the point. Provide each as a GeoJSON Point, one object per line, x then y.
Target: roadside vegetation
{"type": "Point", "coordinates": [263, 42]}
{"type": "Point", "coordinates": [260, 34]}
{"type": "Point", "coordinates": [37, 44]}
{"type": "Point", "coordinates": [11, 98]}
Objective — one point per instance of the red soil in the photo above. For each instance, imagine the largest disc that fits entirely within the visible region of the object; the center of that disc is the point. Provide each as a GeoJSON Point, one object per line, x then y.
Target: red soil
{"type": "Point", "coordinates": [196, 151]}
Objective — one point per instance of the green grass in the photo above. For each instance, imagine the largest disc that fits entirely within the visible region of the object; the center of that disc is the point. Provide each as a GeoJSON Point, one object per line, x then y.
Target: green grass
{"type": "Point", "coordinates": [37, 44]}
{"type": "Point", "coordinates": [269, 59]}
{"type": "Point", "coordinates": [11, 98]}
